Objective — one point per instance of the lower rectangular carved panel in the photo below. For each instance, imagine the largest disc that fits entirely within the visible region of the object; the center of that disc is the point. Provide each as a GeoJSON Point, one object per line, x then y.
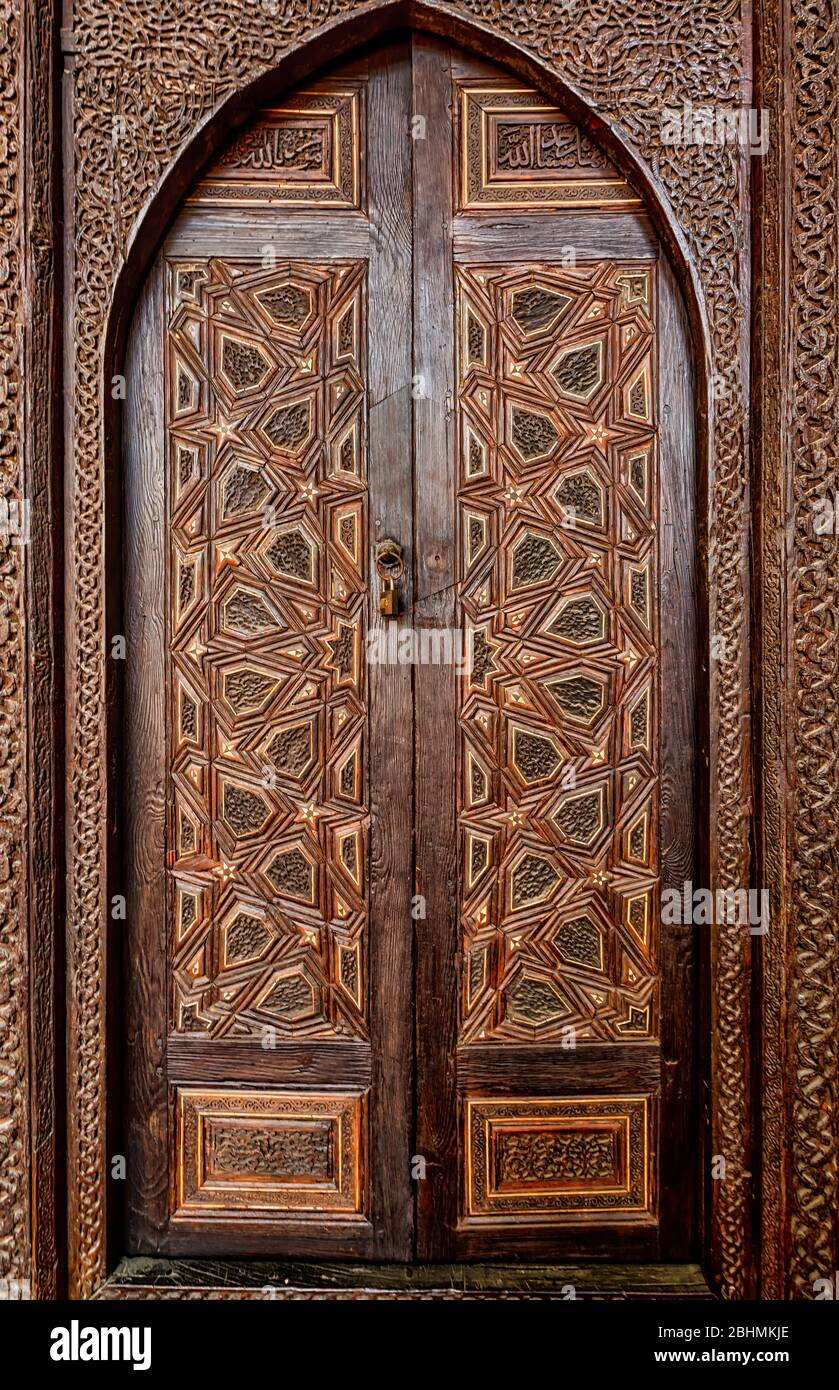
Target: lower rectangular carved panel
{"type": "Point", "coordinates": [533, 1158]}
{"type": "Point", "coordinates": [242, 1151]}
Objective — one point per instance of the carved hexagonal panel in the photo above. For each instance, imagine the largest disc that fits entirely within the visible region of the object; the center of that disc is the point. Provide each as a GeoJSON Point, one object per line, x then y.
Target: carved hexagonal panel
{"type": "Point", "coordinates": [290, 997]}
{"type": "Point", "coordinates": [243, 490]}
{"type": "Point", "coordinates": [292, 874]}
{"type": "Point", "coordinates": [243, 810]}
{"type": "Point", "coordinates": [582, 498]}
{"type": "Point", "coordinates": [243, 365]}
{"type": "Point", "coordinates": [535, 309]}
{"type": "Point", "coordinates": [536, 559]}
{"type": "Point", "coordinates": [580, 942]}
{"type": "Point", "coordinates": [581, 621]}
{"type": "Point", "coordinates": [580, 697]}
{"type": "Point", "coordinates": [532, 434]}
{"type": "Point", "coordinates": [532, 881]}
{"type": "Point", "coordinates": [289, 428]}
{"type": "Point", "coordinates": [290, 305]}
{"type": "Point", "coordinates": [534, 1001]}
{"type": "Point", "coordinates": [580, 816]}
{"type": "Point", "coordinates": [247, 689]}
{"type": "Point", "coordinates": [292, 553]}
{"type": "Point", "coordinates": [578, 370]}
{"type": "Point", "coordinates": [245, 938]}
{"type": "Point", "coordinates": [246, 614]}
{"type": "Point", "coordinates": [535, 756]}
{"type": "Point", "coordinates": [291, 750]}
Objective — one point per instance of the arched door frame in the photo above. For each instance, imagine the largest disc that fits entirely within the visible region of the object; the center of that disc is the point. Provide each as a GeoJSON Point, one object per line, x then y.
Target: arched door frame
{"type": "Point", "coordinates": [320, 49]}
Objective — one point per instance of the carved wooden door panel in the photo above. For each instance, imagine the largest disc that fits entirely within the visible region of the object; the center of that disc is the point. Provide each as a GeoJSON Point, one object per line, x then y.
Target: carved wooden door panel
{"type": "Point", "coordinates": [270, 1030]}
{"type": "Point", "coordinates": [396, 982]}
{"type": "Point", "coordinates": [554, 1028]}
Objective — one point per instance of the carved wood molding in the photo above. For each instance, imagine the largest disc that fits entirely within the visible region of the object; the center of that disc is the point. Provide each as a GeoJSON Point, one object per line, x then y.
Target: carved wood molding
{"type": "Point", "coordinates": [795, 401]}
{"type": "Point", "coordinates": [143, 81]}
{"type": "Point", "coordinates": [812, 739]}
{"type": "Point", "coordinates": [14, 1061]}
{"type": "Point", "coordinates": [770, 640]}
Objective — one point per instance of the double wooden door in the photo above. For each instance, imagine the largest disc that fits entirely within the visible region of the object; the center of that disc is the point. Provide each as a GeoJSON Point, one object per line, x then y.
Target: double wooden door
{"type": "Point", "coordinates": [396, 981]}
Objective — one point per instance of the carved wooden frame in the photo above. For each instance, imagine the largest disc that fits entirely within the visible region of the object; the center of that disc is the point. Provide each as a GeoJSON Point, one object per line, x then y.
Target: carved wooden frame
{"type": "Point", "coordinates": [146, 98]}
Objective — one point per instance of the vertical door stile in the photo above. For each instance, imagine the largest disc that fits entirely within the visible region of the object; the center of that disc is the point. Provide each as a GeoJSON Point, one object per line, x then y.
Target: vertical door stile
{"type": "Point", "coordinates": [390, 693]}
{"type": "Point", "coordinates": [146, 726]}
{"type": "Point", "coordinates": [435, 685]}
{"type": "Point", "coordinates": [676, 578]}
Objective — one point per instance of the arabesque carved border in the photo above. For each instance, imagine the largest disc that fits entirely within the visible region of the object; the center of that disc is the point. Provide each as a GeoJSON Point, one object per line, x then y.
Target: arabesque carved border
{"type": "Point", "coordinates": [14, 985]}
{"type": "Point", "coordinates": [796, 386]}
{"type": "Point", "coordinates": [812, 466]}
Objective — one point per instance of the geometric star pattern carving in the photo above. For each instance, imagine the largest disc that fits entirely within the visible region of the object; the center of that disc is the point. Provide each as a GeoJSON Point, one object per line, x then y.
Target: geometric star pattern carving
{"type": "Point", "coordinates": [558, 584]}
{"type": "Point", "coordinates": [265, 401]}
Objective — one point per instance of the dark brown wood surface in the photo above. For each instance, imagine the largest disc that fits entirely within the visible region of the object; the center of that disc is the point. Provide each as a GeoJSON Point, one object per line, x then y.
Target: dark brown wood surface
{"type": "Point", "coordinates": [535, 1070]}
{"type": "Point", "coordinates": [146, 979]}
{"type": "Point", "coordinates": [680, 946]}
{"type": "Point", "coordinates": [391, 732]}
{"type": "Point", "coordinates": [435, 686]}
{"type": "Point", "coordinates": [385, 1067]}
{"type": "Point", "coordinates": [419, 1078]}
{"type": "Point", "coordinates": [663, 1070]}
{"type": "Point", "coordinates": [789, 1099]}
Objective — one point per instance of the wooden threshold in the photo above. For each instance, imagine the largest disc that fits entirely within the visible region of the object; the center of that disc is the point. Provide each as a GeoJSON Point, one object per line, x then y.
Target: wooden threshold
{"type": "Point", "coordinates": [184, 1278]}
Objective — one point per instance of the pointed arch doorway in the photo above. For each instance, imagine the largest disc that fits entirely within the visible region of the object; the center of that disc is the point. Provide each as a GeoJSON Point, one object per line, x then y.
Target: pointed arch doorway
{"type": "Point", "coordinates": [398, 986]}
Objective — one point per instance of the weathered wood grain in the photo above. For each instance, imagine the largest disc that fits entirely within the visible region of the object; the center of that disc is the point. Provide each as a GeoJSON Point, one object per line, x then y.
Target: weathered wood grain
{"type": "Point", "coordinates": [390, 730]}
{"type": "Point", "coordinates": [144, 1278]}
{"type": "Point", "coordinates": [542, 237]}
{"type": "Point", "coordinates": [195, 1059]}
{"type": "Point", "coordinates": [435, 686]}
{"type": "Point", "coordinates": [144, 803]}
{"type": "Point", "coordinates": [680, 947]}
{"type": "Point", "coordinates": [257, 233]}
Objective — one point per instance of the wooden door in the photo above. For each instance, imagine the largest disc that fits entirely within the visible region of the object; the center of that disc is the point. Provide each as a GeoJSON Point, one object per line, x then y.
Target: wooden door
{"type": "Point", "coordinates": [396, 983]}
{"type": "Point", "coordinates": [555, 526]}
{"type": "Point", "coordinates": [268, 444]}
